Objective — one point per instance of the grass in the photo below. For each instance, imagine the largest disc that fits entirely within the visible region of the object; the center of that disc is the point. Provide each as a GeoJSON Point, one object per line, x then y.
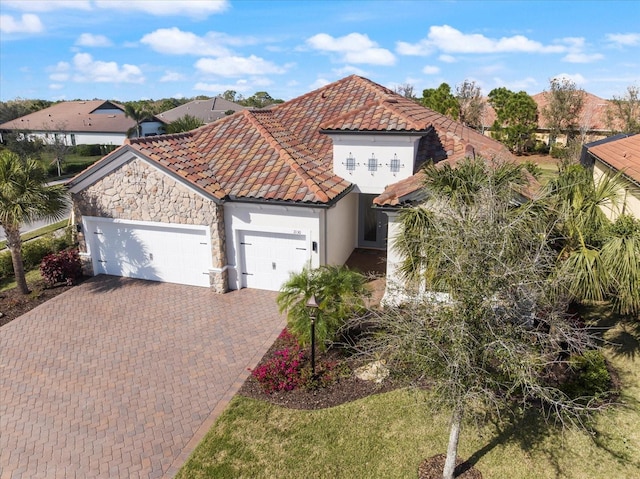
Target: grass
{"type": "Point", "coordinates": [31, 276]}
{"type": "Point", "coordinates": [386, 436]}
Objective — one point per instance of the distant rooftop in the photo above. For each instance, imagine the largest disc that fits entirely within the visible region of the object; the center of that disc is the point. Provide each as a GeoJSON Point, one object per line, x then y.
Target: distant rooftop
{"type": "Point", "coordinates": [206, 110]}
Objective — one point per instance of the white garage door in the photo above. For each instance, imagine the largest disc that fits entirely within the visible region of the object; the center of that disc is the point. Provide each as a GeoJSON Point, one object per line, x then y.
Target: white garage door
{"type": "Point", "coordinates": [268, 258]}
{"type": "Point", "coordinates": [153, 251]}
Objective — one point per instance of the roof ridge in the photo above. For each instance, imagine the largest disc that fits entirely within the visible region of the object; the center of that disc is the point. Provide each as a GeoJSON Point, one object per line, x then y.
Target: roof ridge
{"type": "Point", "coordinates": [289, 159]}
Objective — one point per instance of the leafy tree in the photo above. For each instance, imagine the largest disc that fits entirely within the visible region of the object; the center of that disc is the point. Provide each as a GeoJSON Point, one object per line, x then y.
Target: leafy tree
{"type": "Point", "coordinates": [338, 291]}
{"type": "Point", "coordinates": [564, 104]}
{"type": "Point", "coordinates": [501, 330]}
{"type": "Point", "coordinates": [138, 113]}
{"type": "Point", "coordinates": [232, 95]}
{"type": "Point", "coordinates": [12, 109]}
{"type": "Point", "coordinates": [184, 123]}
{"type": "Point", "coordinates": [22, 144]}
{"type": "Point", "coordinates": [623, 113]}
{"type": "Point", "coordinates": [24, 198]}
{"type": "Point", "coordinates": [441, 100]}
{"type": "Point", "coordinates": [516, 118]}
{"type": "Point", "coordinates": [259, 100]}
{"type": "Point", "coordinates": [471, 104]}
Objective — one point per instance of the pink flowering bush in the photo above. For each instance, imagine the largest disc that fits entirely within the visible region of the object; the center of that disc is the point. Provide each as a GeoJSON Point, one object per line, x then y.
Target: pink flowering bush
{"type": "Point", "coordinates": [282, 371]}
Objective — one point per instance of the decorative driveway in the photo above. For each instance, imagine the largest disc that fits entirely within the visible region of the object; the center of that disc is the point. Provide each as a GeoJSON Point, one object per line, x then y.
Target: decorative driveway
{"type": "Point", "coordinates": [121, 378]}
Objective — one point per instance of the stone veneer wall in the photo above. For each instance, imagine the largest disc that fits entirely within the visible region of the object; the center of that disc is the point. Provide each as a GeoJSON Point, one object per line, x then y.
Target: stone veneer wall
{"type": "Point", "coordinates": [137, 191]}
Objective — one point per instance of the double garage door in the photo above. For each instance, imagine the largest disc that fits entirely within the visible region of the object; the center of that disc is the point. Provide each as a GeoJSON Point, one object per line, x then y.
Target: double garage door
{"type": "Point", "coordinates": [152, 251]}
{"type": "Point", "coordinates": [182, 253]}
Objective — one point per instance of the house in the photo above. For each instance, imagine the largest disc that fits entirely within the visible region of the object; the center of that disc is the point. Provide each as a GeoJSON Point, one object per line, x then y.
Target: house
{"type": "Point", "coordinates": [243, 201]}
{"type": "Point", "coordinates": [620, 153]}
{"type": "Point", "coordinates": [95, 122]}
{"type": "Point", "coordinates": [205, 110]}
{"type": "Point", "coordinates": [591, 124]}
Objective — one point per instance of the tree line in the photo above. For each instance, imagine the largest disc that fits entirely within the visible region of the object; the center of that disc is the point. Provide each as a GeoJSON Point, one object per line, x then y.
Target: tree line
{"type": "Point", "coordinates": [517, 115]}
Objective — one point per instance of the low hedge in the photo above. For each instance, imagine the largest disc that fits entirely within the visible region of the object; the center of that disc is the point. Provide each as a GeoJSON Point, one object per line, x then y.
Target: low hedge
{"type": "Point", "coordinates": [34, 251]}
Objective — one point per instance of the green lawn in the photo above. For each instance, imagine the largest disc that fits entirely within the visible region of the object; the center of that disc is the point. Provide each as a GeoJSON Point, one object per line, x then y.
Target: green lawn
{"type": "Point", "coordinates": [386, 436]}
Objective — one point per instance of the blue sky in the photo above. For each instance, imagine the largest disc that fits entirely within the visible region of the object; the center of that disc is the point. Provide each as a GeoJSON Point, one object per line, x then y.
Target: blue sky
{"type": "Point", "coordinates": [130, 50]}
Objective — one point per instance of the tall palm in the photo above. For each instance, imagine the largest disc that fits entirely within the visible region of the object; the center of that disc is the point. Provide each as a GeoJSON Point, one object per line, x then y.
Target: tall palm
{"type": "Point", "coordinates": [25, 197]}
{"type": "Point", "coordinates": [137, 114]}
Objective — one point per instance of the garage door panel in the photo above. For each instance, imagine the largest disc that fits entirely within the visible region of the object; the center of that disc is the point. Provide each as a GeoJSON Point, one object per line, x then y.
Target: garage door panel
{"type": "Point", "coordinates": [267, 259]}
{"type": "Point", "coordinates": [152, 251]}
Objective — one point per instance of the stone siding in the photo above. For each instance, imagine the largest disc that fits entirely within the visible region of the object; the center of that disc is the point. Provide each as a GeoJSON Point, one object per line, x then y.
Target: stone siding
{"type": "Point", "coordinates": [139, 192]}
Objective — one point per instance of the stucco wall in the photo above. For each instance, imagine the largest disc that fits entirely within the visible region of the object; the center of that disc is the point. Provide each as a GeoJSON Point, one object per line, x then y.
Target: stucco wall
{"type": "Point", "coordinates": [342, 229]}
{"type": "Point", "coordinates": [138, 191]}
{"type": "Point", "coordinates": [629, 193]}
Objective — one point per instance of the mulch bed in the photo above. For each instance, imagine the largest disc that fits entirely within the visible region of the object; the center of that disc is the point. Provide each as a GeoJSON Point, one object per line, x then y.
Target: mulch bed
{"type": "Point", "coordinates": [13, 303]}
{"type": "Point", "coordinates": [432, 469]}
{"type": "Point", "coordinates": [345, 389]}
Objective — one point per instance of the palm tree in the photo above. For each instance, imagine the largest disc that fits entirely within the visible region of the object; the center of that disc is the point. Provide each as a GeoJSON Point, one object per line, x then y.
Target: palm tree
{"type": "Point", "coordinates": [137, 114]}
{"type": "Point", "coordinates": [25, 197]}
{"type": "Point", "coordinates": [184, 123]}
{"type": "Point", "coordinates": [338, 291]}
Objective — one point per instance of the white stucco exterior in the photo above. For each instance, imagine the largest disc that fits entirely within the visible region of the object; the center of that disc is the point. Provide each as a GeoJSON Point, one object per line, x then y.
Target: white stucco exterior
{"type": "Point", "coordinates": [341, 230]}
{"type": "Point", "coordinates": [242, 218]}
{"type": "Point", "coordinates": [391, 155]}
{"type": "Point", "coordinates": [629, 193]}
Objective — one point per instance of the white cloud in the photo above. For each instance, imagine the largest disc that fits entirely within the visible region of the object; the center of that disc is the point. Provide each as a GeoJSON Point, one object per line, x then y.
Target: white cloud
{"type": "Point", "coordinates": [524, 84]}
{"type": "Point", "coordinates": [196, 9]}
{"type": "Point", "coordinates": [86, 69]}
{"type": "Point", "coordinates": [319, 83]}
{"type": "Point", "coordinates": [56, 86]}
{"type": "Point", "coordinates": [624, 39]}
{"type": "Point", "coordinates": [233, 66]}
{"type": "Point", "coordinates": [431, 70]}
{"type": "Point", "coordinates": [47, 5]}
{"type": "Point", "coordinates": [348, 70]}
{"type": "Point", "coordinates": [91, 40]}
{"type": "Point", "coordinates": [450, 40]}
{"type": "Point", "coordinates": [28, 23]}
{"type": "Point", "coordinates": [239, 86]}
{"type": "Point", "coordinates": [173, 41]}
{"type": "Point", "coordinates": [579, 57]}
{"type": "Point", "coordinates": [447, 59]}
{"type": "Point", "coordinates": [172, 76]}
{"type": "Point", "coordinates": [354, 48]}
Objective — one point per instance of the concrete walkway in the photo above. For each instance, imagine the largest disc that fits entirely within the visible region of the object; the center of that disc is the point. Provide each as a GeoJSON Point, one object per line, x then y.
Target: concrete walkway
{"type": "Point", "coordinates": [121, 378]}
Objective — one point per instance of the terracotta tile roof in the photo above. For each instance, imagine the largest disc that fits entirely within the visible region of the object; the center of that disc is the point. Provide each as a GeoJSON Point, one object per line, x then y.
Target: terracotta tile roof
{"type": "Point", "coordinates": [75, 116]}
{"type": "Point", "coordinates": [622, 155]}
{"type": "Point", "coordinates": [281, 153]}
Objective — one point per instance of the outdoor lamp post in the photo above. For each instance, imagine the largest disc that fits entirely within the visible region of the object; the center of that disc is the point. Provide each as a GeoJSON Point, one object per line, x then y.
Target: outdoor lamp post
{"type": "Point", "coordinates": [313, 311]}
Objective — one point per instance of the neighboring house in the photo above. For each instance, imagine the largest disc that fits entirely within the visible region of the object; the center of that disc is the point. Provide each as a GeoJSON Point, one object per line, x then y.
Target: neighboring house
{"type": "Point", "coordinates": [95, 122]}
{"type": "Point", "coordinates": [206, 110]}
{"type": "Point", "coordinates": [243, 201]}
{"type": "Point", "coordinates": [620, 153]}
{"type": "Point", "coordinates": [591, 124]}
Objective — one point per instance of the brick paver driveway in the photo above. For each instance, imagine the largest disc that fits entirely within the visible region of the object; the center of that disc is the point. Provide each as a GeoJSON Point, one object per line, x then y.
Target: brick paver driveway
{"type": "Point", "coordinates": [121, 378]}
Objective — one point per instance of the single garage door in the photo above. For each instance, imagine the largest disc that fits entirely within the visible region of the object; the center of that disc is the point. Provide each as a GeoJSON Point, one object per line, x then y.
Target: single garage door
{"type": "Point", "coordinates": [153, 251]}
{"type": "Point", "coordinates": [267, 259]}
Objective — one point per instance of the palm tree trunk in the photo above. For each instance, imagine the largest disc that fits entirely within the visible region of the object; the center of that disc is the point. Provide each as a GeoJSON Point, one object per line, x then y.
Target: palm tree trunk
{"type": "Point", "coordinates": [452, 448]}
{"type": "Point", "coordinates": [14, 244]}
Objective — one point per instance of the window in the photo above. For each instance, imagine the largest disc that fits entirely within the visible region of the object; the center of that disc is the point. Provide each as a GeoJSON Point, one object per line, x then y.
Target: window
{"type": "Point", "coordinates": [350, 163]}
{"type": "Point", "coordinates": [394, 164]}
{"type": "Point", "coordinates": [372, 164]}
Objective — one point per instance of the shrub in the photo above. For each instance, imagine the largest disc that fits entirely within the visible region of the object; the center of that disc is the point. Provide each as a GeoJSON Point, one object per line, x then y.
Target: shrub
{"type": "Point", "coordinates": [282, 371]}
{"type": "Point", "coordinates": [589, 376]}
{"type": "Point", "coordinates": [61, 267]}
{"type": "Point", "coordinates": [6, 264]}
{"type": "Point", "coordinates": [33, 251]}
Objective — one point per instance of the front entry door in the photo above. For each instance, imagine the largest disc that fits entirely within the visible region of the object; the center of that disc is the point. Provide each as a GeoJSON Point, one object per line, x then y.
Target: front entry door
{"type": "Point", "coordinates": [372, 224]}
